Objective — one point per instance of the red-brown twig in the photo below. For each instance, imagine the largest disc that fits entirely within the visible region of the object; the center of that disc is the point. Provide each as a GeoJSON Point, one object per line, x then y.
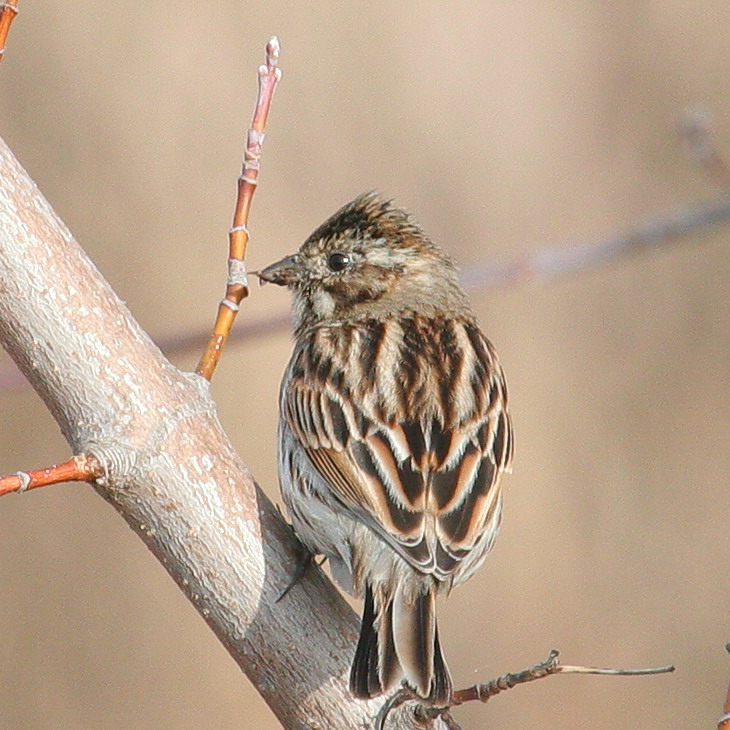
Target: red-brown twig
{"type": "Point", "coordinates": [82, 468]}
{"type": "Point", "coordinates": [8, 11]}
{"type": "Point", "coordinates": [237, 286]}
{"type": "Point", "coordinates": [484, 691]}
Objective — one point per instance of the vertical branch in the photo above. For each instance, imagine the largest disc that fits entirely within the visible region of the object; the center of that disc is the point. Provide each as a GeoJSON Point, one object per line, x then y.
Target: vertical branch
{"type": "Point", "coordinates": [8, 11]}
{"type": "Point", "coordinates": [238, 236]}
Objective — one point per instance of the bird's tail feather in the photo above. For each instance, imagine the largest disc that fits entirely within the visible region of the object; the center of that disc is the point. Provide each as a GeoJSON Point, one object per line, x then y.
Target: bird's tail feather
{"type": "Point", "coordinates": [399, 641]}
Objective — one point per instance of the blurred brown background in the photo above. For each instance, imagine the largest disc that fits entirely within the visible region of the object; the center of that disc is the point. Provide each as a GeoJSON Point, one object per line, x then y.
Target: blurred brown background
{"type": "Point", "coordinates": [505, 127]}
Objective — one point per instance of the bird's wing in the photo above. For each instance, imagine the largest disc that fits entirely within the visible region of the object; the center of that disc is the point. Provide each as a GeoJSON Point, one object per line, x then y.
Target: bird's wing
{"type": "Point", "coordinates": [427, 483]}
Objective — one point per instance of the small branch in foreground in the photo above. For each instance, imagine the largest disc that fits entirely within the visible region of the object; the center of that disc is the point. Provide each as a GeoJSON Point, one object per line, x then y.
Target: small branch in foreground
{"type": "Point", "coordinates": [486, 690]}
{"type": "Point", "coordinates": [8, 11]}
{"type": "Point", "coordinates": [81, 468]}
{"type": "Point", "coordinates": [238, 236]}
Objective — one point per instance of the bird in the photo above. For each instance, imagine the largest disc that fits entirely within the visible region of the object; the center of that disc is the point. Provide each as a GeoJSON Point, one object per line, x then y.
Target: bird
{"type": "Point", "coordinates": [394, 433]}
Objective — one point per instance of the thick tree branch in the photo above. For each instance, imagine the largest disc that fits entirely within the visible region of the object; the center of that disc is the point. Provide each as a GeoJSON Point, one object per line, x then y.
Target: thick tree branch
{"type": "Point", "coordinates": [169, 469]}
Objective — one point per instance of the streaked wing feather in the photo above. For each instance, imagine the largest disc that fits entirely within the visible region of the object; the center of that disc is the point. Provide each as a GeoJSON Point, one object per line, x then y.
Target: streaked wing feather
{"type": "Point", "coordinates": [428, 483]}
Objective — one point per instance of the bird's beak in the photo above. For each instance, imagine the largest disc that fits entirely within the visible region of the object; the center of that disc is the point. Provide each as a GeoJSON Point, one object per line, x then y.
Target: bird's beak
{"type": "Point", "coordinates": [284, 273]}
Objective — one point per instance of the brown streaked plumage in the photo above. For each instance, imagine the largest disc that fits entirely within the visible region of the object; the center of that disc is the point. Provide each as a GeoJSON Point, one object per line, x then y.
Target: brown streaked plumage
{"type": "Point", "coordinates": [394, 432]}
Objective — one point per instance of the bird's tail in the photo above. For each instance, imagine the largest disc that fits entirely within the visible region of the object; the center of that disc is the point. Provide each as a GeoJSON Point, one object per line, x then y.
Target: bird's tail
{"type": "Point", "coordinates": [399, 640]}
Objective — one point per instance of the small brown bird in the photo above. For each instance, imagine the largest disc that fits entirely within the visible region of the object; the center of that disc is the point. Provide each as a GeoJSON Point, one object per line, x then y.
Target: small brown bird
{"type": "Point", "coordinates": [393, 433]}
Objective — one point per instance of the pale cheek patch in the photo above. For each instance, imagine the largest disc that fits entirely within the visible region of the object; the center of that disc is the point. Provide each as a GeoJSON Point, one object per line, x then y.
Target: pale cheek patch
{"type": "Point", "coordinates": [323, 303]}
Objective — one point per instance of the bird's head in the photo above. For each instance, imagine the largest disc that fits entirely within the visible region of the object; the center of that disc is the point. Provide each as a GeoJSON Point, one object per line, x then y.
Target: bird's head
{"type": "Point", "coordinates": [369, 260]}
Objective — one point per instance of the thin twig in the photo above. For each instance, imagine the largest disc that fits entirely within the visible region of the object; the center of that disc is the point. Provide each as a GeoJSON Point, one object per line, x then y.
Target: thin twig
{"type": "Point", "coordinates": [238, 236]}
{"type": "Point", "coordinates": [486, 690]}
{"type": "Point", "coordinates": [81, 468]}
{"type": "Point", "coordinates": [8, 11]}
{"type": "Point", "coordinates": [547, 668]}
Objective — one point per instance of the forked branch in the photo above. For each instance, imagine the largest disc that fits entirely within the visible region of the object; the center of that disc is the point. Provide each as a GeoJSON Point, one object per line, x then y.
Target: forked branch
{"type": "Point", "coordinates": [169, 469]}
{"type": "Point", "coordinates": [84, 467]}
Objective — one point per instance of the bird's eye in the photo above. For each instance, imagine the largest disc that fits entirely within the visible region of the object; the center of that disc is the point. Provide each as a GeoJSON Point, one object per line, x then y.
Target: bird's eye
{"type": "Point", "coordinates": [338, 261]}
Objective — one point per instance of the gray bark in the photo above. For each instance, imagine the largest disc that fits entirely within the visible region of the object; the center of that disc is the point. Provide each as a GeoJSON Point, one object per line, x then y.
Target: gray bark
{"type": "Point", "coordinates": [171, 472]}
